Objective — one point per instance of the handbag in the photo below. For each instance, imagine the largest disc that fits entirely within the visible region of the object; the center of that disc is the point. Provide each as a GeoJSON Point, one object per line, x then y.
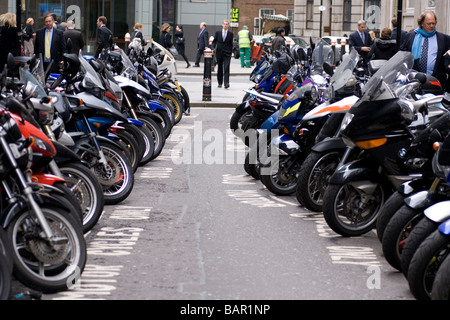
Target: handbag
{"type": "Point", "coordinates": [173, 51]}
{"type": "Point", "coordinates": [179, 40]}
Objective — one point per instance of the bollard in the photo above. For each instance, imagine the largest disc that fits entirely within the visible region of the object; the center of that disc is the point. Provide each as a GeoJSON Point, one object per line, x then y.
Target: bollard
{"type": "Point", "coordinates": [208, 54]}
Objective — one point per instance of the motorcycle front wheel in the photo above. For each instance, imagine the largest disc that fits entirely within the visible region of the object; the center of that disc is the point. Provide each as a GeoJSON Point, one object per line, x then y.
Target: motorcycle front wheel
{"type": "Point", "coordinates": [349, 211]}
{"type": "Point", "coordinates": [441, 284]}
{"type": "Point", "coordinates": [87, 190]}
{"type": "Point", "coordinates": [313, 178]}
{"type": "Point", "coordinates": [39, 265]}
{"type": "Point", "coordinates": [281, 177]}
{"type": "Point", "coordinates": [116, 176]}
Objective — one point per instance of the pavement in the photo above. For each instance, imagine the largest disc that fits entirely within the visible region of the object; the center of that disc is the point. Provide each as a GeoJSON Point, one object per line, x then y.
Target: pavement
{"type": "Point", "coordinates": [192, 80]}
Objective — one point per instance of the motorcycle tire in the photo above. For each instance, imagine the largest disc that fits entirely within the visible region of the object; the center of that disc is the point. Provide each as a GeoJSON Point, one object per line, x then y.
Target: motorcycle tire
{"type": "Point", "coordinates": [165, 120]}
{"type": "Point", "coordinates": [187, 100]}
{"type": "Point", "coordinates": [157, 133]}
{"type": "Point", "coordinates": [136, 151]}
{"type": "Point", "coordinates": [396, 234]}
{"type": "Point", "coordinates": [426, 263]}
{"type": "Point", "coordinates": [421, 231]}
{"type": "Point", "coordinates": [238, 126]}
{"type": "Point", "coordinates": [71, 198]}
{"type": "Point", "coordinates": [88, 191]}
{"type": "Point", "coordinates": [117, 179]}
{"type": "Point", "coordinates": [441, 285]}
{"type": "Point", "coordinates": [276, 179]}
{"type": "Point", "coordinates": [5, 250]}
{"type": "Point", "coordinates": [387, 211]}
{"type": "Point", "coordinates": [313, 178]}
{"type": "Point", "coordinates": [348, 224]}
{"type": "Point", "coordinates": [177, 106]}
{"type": "Point", "coordinates": [250, 167]}
{"type": "Point", "coordinates": [5, 278]}
{"type": "Point", "coordinates": [39, 266]}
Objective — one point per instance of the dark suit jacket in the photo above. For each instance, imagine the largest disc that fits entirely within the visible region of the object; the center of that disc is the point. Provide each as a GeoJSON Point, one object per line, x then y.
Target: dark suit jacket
{"type": "Point", "coordinates": [355, 41]}
{"type": "Point", "coordinates": [394, 35]}
{"type": "Point", "coordinates": [443, 42]}
{"type": "Point", "coordinates": [202, 40]}
{"type": "Point", "coordinates": [57, 47]}
{"type": "Point", "coordinates": [76, 37]}
{"type": "Point", "coordinates": [223, 48]}
{"type": "Point", "coordinates": [104, 39]}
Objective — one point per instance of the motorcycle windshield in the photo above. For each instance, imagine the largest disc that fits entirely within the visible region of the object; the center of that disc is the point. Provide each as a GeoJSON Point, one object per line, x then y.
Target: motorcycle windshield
{"type": "Point", "coordinates": [89, 73]}
{"type": "Point", "coordinates": [27, 77]}
{"type": "Point", "coordinates": [322, 53]}
{"type": "Point", "coordinates": [396, 67]}
{"type": "Point", "coordinates": [127, 64]}
{"type": "Point", "coordinates": [344, 72]}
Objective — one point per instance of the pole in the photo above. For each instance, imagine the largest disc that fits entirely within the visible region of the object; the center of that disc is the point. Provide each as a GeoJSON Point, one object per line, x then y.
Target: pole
{"type": "Point", "coordinates": [399, 22]}
{"type": "Point", "coordinates": [208, 55]}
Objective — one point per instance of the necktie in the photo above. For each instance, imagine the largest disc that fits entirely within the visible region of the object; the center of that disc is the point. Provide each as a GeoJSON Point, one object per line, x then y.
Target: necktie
{"type": "Point", "coordinates": [47, 45]}
{"type": "Point", "coordinates": [224, 35]}
{"type": "Point", "coordinates": [362, 37]}
{"type": "Point", "coordinates": [424, 56]}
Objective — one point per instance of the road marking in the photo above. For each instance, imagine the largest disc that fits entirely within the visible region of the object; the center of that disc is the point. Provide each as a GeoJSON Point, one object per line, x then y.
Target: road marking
{"type": "Point", "coordinates": [156, 173]}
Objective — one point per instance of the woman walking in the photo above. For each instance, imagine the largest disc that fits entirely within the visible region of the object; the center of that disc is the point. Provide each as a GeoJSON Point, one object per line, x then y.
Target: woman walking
{"type": "Point", "coordinates": [165, 38]}
{"type": "Point", "coordinates": [179, 44]}
{"type": "Point", "coordinates": [28, 38]}
{"type": "Point", "coordinates": [9, 40]}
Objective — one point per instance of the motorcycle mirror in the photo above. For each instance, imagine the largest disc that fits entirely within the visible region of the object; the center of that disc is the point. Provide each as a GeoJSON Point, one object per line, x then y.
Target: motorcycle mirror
{"type": "Point", "coordinates": [150, 51]}
{"type": "Point", "coordinates": [10, 61]}
{"type": "Point", "coordinates": [328, 68]}
{"type": "Point", "coordinates": [422, 78]}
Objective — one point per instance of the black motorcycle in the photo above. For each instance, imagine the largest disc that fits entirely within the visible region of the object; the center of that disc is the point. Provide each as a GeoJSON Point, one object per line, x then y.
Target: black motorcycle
{"type": "Point", "coordinates": [378, 129]}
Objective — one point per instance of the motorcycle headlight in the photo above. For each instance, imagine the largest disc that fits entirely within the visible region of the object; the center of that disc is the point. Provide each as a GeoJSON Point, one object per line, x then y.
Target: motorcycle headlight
{"type": "Point", "coordinates": [346, 121]}
{"type": "Point", "coordinates": [314, 93]}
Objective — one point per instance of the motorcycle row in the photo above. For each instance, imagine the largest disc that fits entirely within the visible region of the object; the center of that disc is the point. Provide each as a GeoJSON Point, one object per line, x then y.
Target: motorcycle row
{"type": "Point", "coordinates": [70, 144]}
{"type": "Point", "coordinates": [369, 149]}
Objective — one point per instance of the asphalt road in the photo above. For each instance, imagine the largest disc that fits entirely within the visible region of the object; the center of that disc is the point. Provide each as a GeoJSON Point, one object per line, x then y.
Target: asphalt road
{"type": "Point", "coordinates": [197, 227]}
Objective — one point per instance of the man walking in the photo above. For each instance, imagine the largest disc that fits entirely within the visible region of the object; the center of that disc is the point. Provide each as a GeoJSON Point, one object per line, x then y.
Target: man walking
{"type": "Point", "coordinates": [75, 36]}
{"type": "Point", "coordinates": [104, 36]}
{"type": "Point", "coordinates": [223, 44]}
{"type": "Point", "coordinates": [361, 41]}
{"type": "Point", "coordinates": [51, 44]}
{"type": "Point", "coordinates": [428, 47]}
{"type": "Point", "coordinates": [202, 43]}
{"type": "Point", "coordinates": [244, 40]}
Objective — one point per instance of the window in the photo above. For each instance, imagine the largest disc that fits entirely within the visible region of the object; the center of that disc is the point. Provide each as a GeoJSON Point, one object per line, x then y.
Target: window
{"type": "Point", "coordinates": [256, 26]}
{"type": "Point", "coordinates": [309, 14]}
{"type": "Point", "coordinates": [262, 12]}
{"type": "Point", "coordinates": [347, 18]}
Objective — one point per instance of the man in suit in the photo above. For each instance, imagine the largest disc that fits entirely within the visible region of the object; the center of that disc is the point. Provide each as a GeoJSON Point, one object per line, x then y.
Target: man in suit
{"type": "Point", "coordinates": [361, 41]}
{"type": "Point", "coordinates": [394, 31]}
{"type": "Point", "coordinates": [428, 47]}
{"type": "Point", "coordinates": [104, 36]}
{"type": "Point", "coordinates": [50, 43]}
{"type": "Point", "coordinates": [202, 43]}
{"type": "Point", "coordinates": [223, 44]}
{"type": "Point", "coordinates": [75, 36]}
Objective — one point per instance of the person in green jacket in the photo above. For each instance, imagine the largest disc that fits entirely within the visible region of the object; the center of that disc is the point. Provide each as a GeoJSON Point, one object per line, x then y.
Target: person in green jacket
{"type": "Point", "coordinates": [244, 39]}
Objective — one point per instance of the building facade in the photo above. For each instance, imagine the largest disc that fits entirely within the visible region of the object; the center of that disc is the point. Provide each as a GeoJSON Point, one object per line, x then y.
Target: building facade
{"type": "Point", "coordinates": [340, 17]}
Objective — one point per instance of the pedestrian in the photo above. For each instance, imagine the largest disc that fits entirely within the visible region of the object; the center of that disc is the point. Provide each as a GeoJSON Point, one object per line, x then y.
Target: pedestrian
{"type": "Point", "coordinates": [361, 41]}
{"type": "Point", "coordinates": [75, 36]}
{"type": "Point", "coordinates": [104, 36]}
{"type": "Point", "coordinates": [223, 47]}
{"type": "Point", "coordinates": [403, 33]}
{"type": "Point", "coordinates": [165, 38]}
{"type": "Point", "coordinates": [202, 43]}
{"type": "Point", "coordinates": [279, 42]}
{"type": "Point", "coordinates": [372, 34]}
{"type": "Point", "coordinates": [384, 47]}
{"type": "Point", "coordinates": [180, 43]}
{"type": "Point", "coordinates": [428, 47]}
{"type": "Point", "coordinates": [58, 26]}
{"type": "Point", "coordinates": [244, 40]}
{"type": "Point", "coordinates": [51, 44]}
{"type": "Point", "coordinates": [137, 42]}
{"type": "Point", "coordinates": [28, 37]}
{"type": "Point", "coordinates": [9, 39]}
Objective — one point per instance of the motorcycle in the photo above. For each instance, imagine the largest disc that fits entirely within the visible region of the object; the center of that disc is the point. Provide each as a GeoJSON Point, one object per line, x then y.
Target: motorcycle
{"type": "Point", "coordinates": [376, 127]}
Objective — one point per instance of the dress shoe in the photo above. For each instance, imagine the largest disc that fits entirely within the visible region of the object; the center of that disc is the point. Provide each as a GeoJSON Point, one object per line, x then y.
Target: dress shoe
{"type": "Point", "coordinates": [187, 113]}
{"type": "Point", "coordinates": [220, 86]}
{"type": "Point", "coordinates": [196, 66]}
{"type": "Point", "coordinates": [227, 86]}
{"type": "Point", "coordinates": [188, 66]}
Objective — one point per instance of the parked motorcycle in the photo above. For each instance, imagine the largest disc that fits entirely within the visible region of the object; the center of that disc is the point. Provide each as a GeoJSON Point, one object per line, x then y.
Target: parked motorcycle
{"type": "Point", "coordinates": [377, 127]}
